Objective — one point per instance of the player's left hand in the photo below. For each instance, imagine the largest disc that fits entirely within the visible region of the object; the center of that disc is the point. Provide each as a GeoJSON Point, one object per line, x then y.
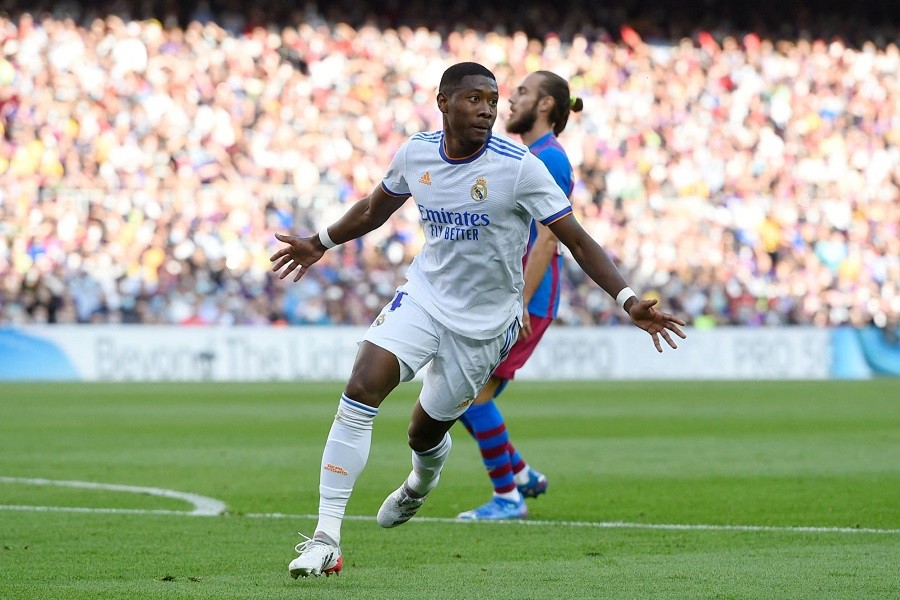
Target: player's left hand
{"type": "Point", "coordinates": [656, 323]}
{"type": "Point", "coordinates": [299, 254]}
{"type": "Point", "coordinates": [525, 329]}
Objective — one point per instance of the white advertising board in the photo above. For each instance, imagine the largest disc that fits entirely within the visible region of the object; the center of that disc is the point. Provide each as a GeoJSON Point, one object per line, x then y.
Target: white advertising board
{"type": "Point", "coordinates": [171, 353]}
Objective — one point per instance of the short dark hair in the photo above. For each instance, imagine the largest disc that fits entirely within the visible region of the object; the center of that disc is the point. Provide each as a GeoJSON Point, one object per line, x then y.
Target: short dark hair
{"type": "Point", "coordinates": [454, 75]}
{"type": "Point", "coordinates": [558, 88]}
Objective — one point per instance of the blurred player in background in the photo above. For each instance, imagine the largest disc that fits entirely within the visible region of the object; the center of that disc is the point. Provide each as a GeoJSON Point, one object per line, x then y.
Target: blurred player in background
{"type": "Point", "coordinates": [461, 306]}
{"type": "Point", "coordinates": [539, 108]}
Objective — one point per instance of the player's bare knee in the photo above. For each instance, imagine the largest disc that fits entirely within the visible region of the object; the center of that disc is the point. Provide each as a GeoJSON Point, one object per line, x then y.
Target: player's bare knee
{"type": "Point", "coordinates": [423, 436]}
{"type": "Point", "coordinates": [423, 443]}
{"type": "Point", "coordinates": [365, 392]}
{"type": "Point", "coordinates": [375, 374]}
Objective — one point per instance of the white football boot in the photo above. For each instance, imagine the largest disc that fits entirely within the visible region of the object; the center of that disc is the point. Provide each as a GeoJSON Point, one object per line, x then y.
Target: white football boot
{"type": "Point", "coordinates": [398, 508]}
{"type": "Point", "coordinates": [317, 556]}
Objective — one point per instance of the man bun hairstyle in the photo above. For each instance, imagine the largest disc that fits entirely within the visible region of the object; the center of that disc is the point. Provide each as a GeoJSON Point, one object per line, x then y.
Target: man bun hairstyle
{"type": "Point", "coordinates": [563, 103]}
{"type": "Point", "coordinates": [454, 75]}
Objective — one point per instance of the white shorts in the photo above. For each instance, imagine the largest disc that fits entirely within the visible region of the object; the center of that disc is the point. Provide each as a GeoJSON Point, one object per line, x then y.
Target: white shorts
{"type": "Point", "coordinates": [460, 366]}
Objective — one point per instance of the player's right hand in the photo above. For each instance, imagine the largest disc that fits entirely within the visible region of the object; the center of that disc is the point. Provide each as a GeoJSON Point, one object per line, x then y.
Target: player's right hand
{"type": "Point", "coordinates": [298, 255]}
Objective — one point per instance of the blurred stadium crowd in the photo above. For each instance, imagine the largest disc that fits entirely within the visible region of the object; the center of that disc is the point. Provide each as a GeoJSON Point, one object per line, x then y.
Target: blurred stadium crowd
{"type": "Point", "coordinates": [743, 175]}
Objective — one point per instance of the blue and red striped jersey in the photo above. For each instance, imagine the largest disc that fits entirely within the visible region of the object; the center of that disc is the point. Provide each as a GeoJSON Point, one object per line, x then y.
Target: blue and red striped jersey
{"type": "Point", "coordinates": [545, 302]}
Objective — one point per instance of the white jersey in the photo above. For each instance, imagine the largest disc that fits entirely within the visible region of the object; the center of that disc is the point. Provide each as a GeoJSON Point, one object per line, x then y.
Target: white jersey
{"type": "Point", "coordinates": [476, 214]}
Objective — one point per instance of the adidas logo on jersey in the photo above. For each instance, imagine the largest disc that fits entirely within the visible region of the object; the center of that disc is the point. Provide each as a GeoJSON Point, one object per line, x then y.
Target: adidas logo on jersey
{"type": "Point", "coordinates": [425, 179]}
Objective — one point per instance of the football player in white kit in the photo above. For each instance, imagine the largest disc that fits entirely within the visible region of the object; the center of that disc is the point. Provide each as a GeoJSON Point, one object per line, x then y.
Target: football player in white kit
{"type": "Point", "coordinates": [476, 192]}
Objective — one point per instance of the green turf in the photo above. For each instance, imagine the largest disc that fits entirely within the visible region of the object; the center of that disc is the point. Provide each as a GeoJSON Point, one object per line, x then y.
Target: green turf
{"type": "Point", "coordinates": [817, 455]}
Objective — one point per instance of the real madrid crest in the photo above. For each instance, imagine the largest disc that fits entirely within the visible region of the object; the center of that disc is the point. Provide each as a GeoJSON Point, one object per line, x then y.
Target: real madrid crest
{"type": "Point", "coordinates": [479, 190]}
{"type": "Point", "coordinates": [378, 321]}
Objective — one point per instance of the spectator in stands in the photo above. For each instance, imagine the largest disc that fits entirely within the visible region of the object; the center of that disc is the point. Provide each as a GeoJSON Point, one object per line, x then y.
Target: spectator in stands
{"type": "Point", "coordinates": [143, 160]}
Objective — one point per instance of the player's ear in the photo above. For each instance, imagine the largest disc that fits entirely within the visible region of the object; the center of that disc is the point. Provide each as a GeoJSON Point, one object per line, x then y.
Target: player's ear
{"type": "Point", "coordinates": [443, 102]}
{"type": "Point", "coordinates": [545, 104]}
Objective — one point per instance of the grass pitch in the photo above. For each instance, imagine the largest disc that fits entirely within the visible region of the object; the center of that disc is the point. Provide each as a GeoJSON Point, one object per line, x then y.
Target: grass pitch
{"type": "Point", "coordinates": [657, 491]}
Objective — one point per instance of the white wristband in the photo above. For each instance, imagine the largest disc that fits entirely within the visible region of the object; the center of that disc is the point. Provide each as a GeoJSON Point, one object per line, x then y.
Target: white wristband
{"type": "Point", "coordinates": [624, 295]}
{"type": "Point", "coordinates": [326, 239]}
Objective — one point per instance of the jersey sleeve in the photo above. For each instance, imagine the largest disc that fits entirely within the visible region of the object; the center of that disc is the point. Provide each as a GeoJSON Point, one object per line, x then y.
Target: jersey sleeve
{"type": "Point", "coordinates": [539, 194]}
{"type": "Point", "coordinates": [560, 168]}
{"type": "Point", "coordinates": [394, 182]}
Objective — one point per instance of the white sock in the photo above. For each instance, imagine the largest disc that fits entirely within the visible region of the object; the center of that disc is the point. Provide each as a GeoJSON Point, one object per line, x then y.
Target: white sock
{"type": "Point", "coordinates": [521, 478]}
{"type": "Point", "coordinates": [513, 496]}
{"type": "Point", "coordinates": [344, 458]}
{"type": "Point", "coordinates": [427, 467]}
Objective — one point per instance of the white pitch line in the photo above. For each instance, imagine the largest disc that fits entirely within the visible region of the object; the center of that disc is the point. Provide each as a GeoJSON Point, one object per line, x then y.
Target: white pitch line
{"type": "Point", "coordinates": [607, 524]}
{"type": "Point", "coordinates": [107, 511]}
{"type": "Point", "coordinates": [203, 506]}
{"type": "Point", "coordinates": [513, 523]}
{"type": "Point", "coordinates": [209, 507]}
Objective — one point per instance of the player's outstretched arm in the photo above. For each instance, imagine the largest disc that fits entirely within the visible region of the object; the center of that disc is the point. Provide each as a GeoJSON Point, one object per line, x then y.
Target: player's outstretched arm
{"type": "Point", "coordinates": [594, 261]}
{"type": "Point", "coordinates": [364, 216]}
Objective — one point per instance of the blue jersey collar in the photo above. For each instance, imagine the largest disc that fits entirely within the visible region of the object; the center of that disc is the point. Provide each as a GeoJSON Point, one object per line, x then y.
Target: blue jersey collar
{"type": "Point", "coordinates": [465, 159]}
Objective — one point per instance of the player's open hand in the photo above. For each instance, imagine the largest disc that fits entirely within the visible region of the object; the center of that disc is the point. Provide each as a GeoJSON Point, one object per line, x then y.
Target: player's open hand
{"type": "Point", "coordinates": [656, 323]}
{"type": "Point", "coordinates": [298, 255]}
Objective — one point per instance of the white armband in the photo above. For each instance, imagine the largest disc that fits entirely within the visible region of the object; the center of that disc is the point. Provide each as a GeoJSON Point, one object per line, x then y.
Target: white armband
{"type": "Point", "coordinates": [624, 295]}
{"type": "Point", "coordinates": [326, 239]}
